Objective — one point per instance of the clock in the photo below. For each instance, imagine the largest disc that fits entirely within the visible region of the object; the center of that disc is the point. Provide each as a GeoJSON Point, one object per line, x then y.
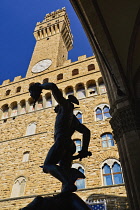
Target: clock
{"type": "Point", "coordinates": [41, 65]}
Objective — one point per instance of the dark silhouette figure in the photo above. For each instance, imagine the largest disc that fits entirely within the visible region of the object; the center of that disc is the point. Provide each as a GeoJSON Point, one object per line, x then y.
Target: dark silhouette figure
{"type": "Point", "coordinates": [63, 148]}
{"type": "Point", "coordinates": [69, 201]}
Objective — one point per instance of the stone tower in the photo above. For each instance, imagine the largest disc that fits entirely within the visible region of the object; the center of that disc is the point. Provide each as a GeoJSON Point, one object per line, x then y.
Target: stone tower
{"type": "Point", "coordinates": [55, 28]}
{"type": "Point", "coordinates": [27, 132]}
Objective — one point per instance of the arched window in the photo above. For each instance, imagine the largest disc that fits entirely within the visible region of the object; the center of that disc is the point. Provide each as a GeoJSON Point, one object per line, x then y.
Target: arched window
{"type": "Point", "coordinates": [117, 174]}
{"type": "Point", "coordinates": [102, 88]}
{"type": "Point", "coordinates": [59, 76]}
{"type": "Point", "coordinates": [75, 72]}
{"type": "Point", "coordinates": [99, 115]}
{"type": "Point", "coordinates": [79, 116]}
{"type": "Point", "coordinates": [48, 100]}
{"type": "Point", "coordinates": [112, 172]}
{"type": "Point", "coordinates": [80, 183]}
{"type": "Point", "coordinates": [7, 92]}
{"type": "Point", "coordinates": [107, 140]}
{"type": "Point", "coordinates": [31, 103]}
{"type": "Point", "coordinates": [91, 67]}
{"type": "Point", "coordinates": [78, 144]}
{"type": "Point", "coordinates": [45, 80]}
{"type": "Point", "coordinates": [80, 91]}
{"type": "Point", "coordinates": [40, 103]}
{"type": "Point", "coordinates": [5, 110]}
{"type": "Point", "coordinates": [13, 109]}
{"type": "Point", "coordinates": [106, 112]}
{"type": "Point", "coordinates": [107, 175]}
{"type": "Point", "coordinates": [25, 156]}
{"type": "Point", "coordinates": [102, 112]}
{"type": "Point", "coordinates": [91, 88]}
{"type": "Point", "coordinates": [31, 129]}
{"type": "Point", "coordinates": [69, 91]}
{"type": "Point", "coordinates": [23, 107]}
{"type": "Point", "coordinates": [18, 89]}
{"type": "Point", "coordinates": [19, 187]}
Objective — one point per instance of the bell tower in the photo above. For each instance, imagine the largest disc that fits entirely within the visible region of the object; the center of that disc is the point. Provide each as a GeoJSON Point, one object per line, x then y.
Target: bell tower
{"type": "Point", "coordinates": [53, 41]}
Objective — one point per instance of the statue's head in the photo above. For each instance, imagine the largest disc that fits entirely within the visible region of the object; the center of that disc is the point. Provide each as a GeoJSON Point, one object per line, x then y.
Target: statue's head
{"type": "Point", "coordinates": [35, 91]}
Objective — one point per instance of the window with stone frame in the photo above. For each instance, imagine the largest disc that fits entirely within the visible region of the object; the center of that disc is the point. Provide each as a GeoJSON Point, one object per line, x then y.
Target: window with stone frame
{"type": "Point", "coordinates": [75, 72]}
{"type": "Point", "coordinates": [112, 172]}
{"type": "Point", "coordinates": [22, 107]}
{"type": "Point", "coordinates": [7, 92]}
{"type": "Point", "coordinates": [14, 109]}
{"type": "Point", "coordinates": [99, 115]}
{"type": "Point", "coordinates": [59, 76]}
{"type": "Point", "coordinates": [31, 105]}
{"type": "Point", "coordinates": [91, 88]}
{"type": "Point", "coordinates": [91, 67]}
{"type": "Point", "coordinates": [18, 89]}
{"type": "Point", "coordinates": [69, 91]}
{"type": "Point", "coordinates": [5, 111]}
{"type": "Point", "coordinates": [26, 156]}
{"type": "Point", "coordinates": [40, 103]}
{"type": "Point", "coordinates": [107, 140]}
{"type": "Point", "coordinates": [79, 116]}
{"type": "Point", "coordinates": [18, 188]}
{"type": "Point", "coordinates": [80, 183]}
{"type": "Point", "coordinates": [102, 112]}
{"type": "Point", "coordinates": [80, 91]}
{"type": "Point", "coordinates": [102, 87]}
{"type": "Point", "coordinates": [106, 112]}
{"type": "Point", "coordinates": [31, 129]}
{"type": "Point", "coordinates": [48, 98]}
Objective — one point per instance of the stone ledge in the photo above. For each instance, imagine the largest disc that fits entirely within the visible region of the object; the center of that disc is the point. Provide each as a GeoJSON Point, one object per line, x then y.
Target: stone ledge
{"type": "Point", "coordinates": [51, 194]}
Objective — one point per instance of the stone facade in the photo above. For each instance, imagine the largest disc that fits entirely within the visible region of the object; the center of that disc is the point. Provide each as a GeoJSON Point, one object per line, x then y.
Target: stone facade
{"type": "Point", "coordinates": [17, 114]}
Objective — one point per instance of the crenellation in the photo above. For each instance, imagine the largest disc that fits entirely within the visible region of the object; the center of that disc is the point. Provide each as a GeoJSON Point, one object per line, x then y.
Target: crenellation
{"type": "Point", "coordinates": [68, 62]}
{"type": "Point", "coordinates": [5, 82]}
{"type": "Point", "coordinates": [82, 57]}
{"type": "Point", "coordinates": [17, 78]}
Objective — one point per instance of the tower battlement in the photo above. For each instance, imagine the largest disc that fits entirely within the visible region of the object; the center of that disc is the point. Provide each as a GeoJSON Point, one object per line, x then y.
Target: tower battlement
{"type": "Point", "coordinates": [57, 13]}
{"type": "Point", "coordinates": [54, 23]}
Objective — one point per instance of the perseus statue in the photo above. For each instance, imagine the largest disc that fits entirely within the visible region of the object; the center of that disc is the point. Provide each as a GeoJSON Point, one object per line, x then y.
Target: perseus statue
{"type": "Point", "coordinates": [59, 158]}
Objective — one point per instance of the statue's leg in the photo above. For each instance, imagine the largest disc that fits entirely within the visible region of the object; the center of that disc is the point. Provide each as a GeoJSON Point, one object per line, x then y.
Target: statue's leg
{"type": "Point", "coordinates": [66, 163]}
{"type": "Point", "coordinates": [54, 156]}
{"type": "Point", "coordinates": [66, 160]}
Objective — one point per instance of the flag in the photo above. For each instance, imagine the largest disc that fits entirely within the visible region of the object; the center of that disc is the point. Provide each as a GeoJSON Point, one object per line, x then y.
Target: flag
{"type": "Point", "coordinates": [97, 207]}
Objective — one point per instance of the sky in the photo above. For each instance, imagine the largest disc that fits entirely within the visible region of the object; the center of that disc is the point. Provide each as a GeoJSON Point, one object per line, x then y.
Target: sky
{"type": "Point", "coordinates": [17, 22]}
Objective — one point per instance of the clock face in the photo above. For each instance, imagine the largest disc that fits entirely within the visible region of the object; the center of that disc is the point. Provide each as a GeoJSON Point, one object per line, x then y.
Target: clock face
{"type": "Point", "coordinates": [41, 66]}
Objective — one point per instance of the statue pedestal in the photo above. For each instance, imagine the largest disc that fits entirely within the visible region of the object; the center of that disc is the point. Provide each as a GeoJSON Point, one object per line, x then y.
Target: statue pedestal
{"type": "Point", "coordinates": [62, 201]}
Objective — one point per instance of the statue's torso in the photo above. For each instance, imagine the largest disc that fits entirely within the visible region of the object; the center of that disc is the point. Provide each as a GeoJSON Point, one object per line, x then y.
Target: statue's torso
{"type": "Point", "coordinates": [64, 119]}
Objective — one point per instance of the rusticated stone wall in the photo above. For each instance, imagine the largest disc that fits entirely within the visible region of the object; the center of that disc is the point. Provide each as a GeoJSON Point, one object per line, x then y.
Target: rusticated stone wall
{"type": "Point", "coordinates": [14, 141]}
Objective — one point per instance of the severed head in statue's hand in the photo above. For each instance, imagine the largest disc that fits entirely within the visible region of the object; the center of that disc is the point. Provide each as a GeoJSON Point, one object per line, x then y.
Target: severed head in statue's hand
{"type": "Point", "coordinates": [35, 91]}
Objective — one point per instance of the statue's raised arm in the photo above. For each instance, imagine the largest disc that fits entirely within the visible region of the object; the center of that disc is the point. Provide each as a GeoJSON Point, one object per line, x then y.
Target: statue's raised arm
{"type": "Point", "coordinates": [36, 89]}
{"type": "Point", "coordinates": [55, 91]}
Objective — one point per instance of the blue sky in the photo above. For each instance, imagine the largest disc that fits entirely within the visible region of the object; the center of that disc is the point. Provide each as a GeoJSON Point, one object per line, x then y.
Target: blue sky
{"type": "Point", "coordinates": [17, 22]}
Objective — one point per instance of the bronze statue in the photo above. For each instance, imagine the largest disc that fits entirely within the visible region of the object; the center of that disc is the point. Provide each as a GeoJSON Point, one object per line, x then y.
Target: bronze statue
{"type": "Point", "coordinates": [63, 148]}
{"type": "Point", "coordinates": [65, 201]}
